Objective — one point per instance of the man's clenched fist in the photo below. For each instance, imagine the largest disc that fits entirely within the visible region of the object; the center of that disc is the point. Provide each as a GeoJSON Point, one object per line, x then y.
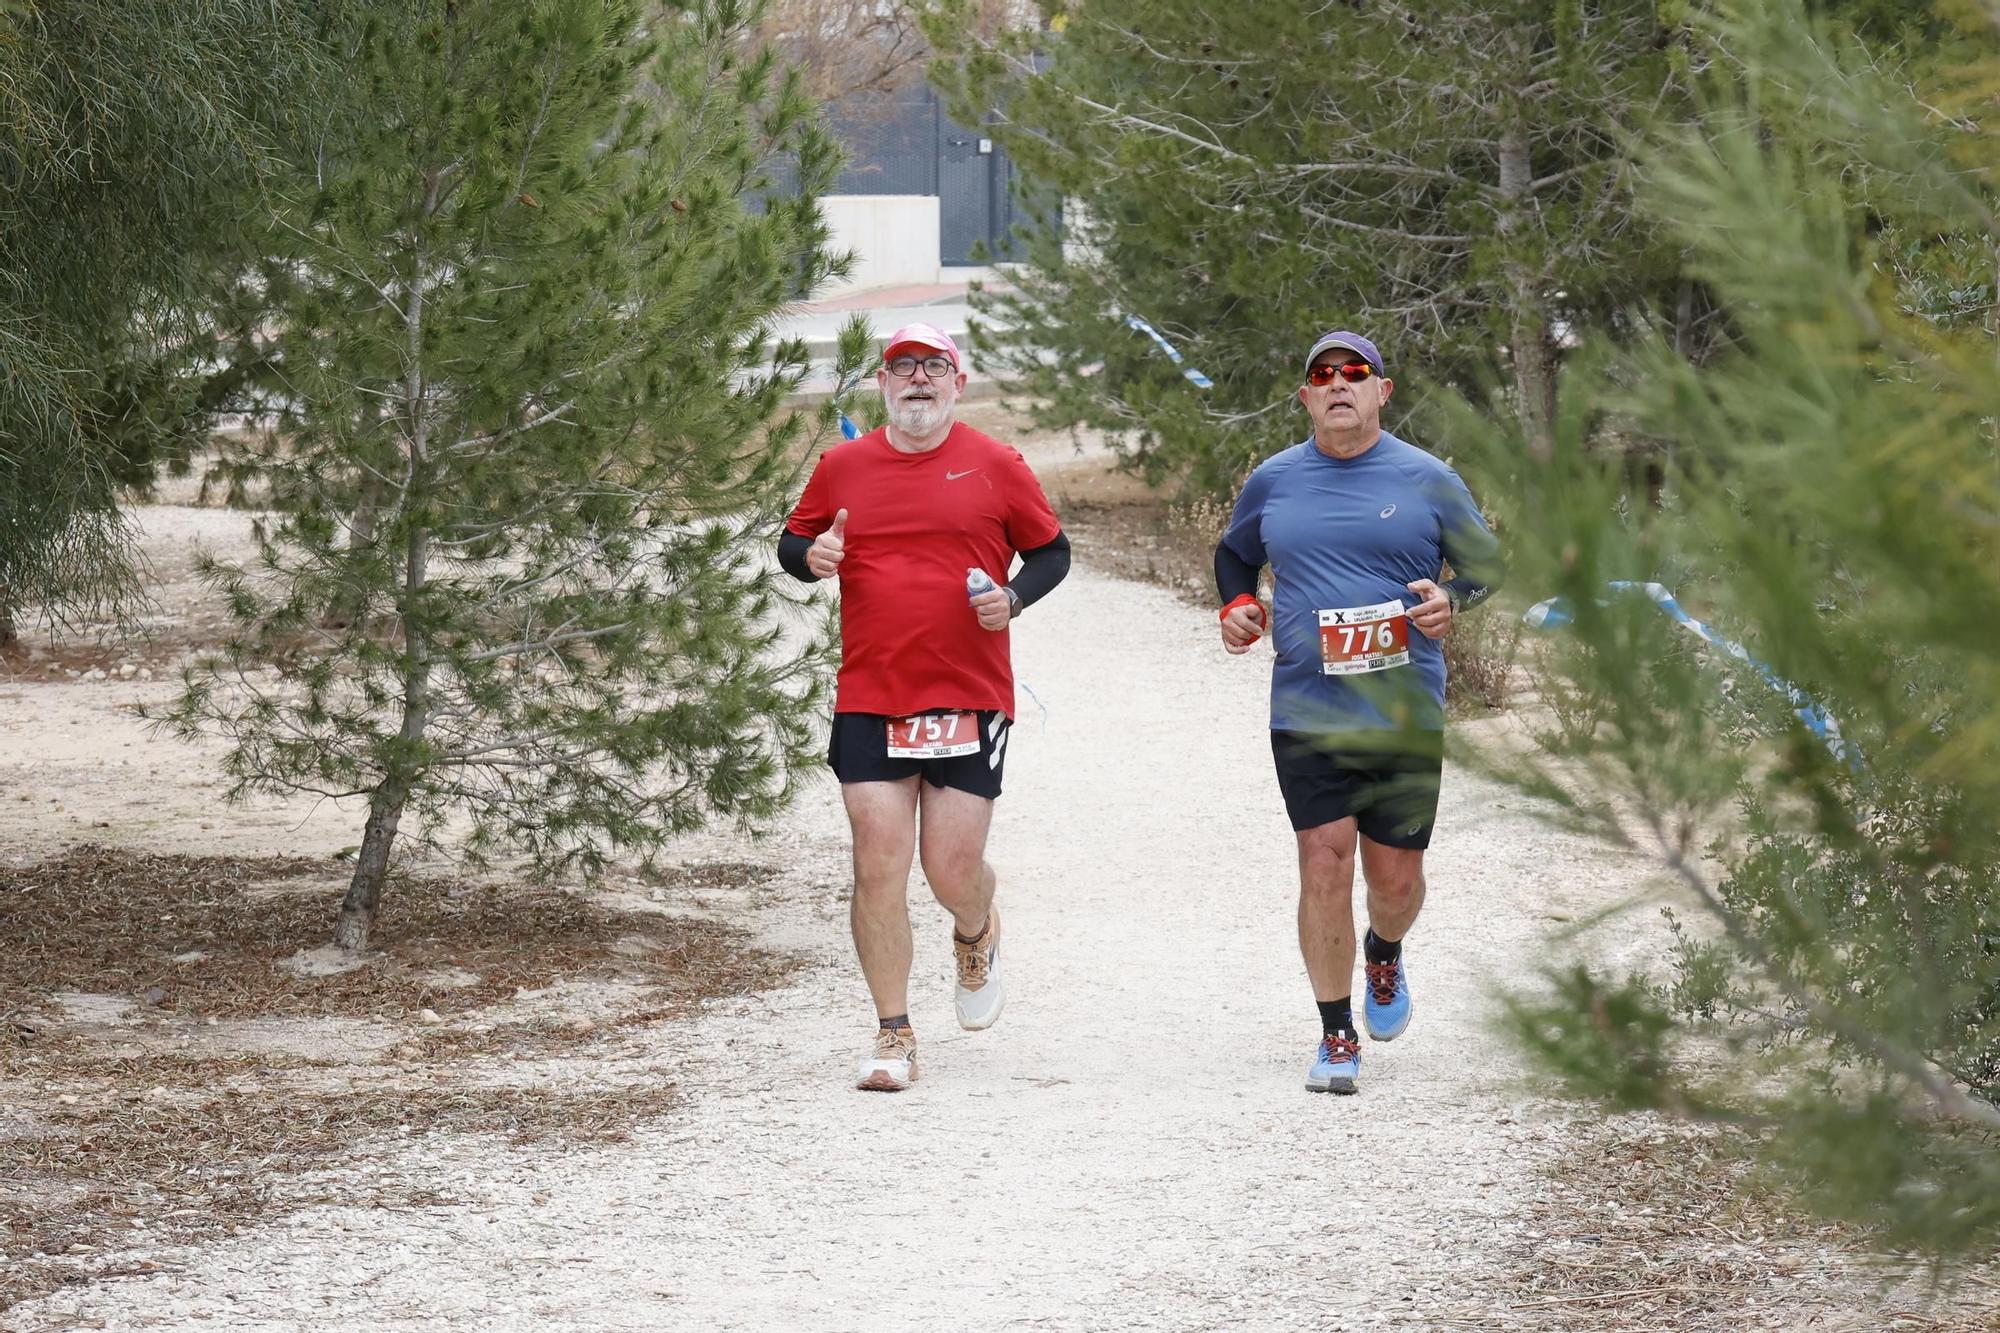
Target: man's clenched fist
{"type": "Point", "coordinates": [1243, 626]}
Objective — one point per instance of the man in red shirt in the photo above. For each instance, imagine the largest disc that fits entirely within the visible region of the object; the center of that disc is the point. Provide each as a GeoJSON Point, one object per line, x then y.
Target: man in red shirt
{"type": "Point", "coordinates": [902, 517]}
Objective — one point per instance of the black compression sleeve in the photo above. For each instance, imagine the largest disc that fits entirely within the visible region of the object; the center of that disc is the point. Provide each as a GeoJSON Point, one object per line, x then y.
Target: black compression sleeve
{"type": "Point", "coordinates": [792, 550]}
{"type": "Point", "coordinates": [1041, 570]}
{"type": "Point", "coordinates": [1465, 592]}
{"type": "Point", "coordinates": [1234, 576]}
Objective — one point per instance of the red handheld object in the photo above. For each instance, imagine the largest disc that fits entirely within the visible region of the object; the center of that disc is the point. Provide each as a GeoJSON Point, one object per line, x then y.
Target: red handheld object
{"type": "Point", "coordinates": [1242, 599]}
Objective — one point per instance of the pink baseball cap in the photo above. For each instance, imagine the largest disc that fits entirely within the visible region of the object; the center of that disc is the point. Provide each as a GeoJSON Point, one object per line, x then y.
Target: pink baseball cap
{"type": "Point", "coordinates": [923, 335]}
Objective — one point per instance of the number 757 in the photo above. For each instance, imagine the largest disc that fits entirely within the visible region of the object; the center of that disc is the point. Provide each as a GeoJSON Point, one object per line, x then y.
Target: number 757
{"type": "Point", "coordinates": [934, 729]}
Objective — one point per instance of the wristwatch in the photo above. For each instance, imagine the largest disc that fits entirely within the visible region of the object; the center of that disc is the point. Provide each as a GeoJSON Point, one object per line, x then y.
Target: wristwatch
{"type": "Point", "coordinates": [1013, 602]}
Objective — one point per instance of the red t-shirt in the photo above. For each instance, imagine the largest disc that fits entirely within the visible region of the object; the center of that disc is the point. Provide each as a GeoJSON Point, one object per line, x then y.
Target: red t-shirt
{"type": "Point", "coordinates": [915, 524]}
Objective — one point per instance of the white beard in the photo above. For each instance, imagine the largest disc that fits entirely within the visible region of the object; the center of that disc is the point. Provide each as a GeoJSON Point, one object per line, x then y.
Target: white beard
{"type": "Point", "coordinates": [917, 418]}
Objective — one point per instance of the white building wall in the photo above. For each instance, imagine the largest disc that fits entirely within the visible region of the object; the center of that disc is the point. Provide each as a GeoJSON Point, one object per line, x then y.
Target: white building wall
{"type": "Point", "coordinates": [896, 240]}
{"type": "Point", "coordinates": [894, 237]}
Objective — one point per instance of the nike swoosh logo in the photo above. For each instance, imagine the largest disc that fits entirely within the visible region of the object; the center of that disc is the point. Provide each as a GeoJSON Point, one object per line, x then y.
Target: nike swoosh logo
{"type": "Point", "coordinates": [954, 476]}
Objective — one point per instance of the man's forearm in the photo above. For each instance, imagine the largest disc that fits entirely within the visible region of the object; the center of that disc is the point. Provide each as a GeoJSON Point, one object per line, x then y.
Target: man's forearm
{"type": "Point", "coordinates": [792, 550]}
{"type": "Point", "coordinates": [1234, 576]}
{"type": "Point", "coordinates": [1469, 592]}
{"type": "Point", "coordinates": [1041, 570]}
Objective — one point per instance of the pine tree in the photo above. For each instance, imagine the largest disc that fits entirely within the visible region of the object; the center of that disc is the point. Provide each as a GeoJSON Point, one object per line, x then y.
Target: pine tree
{"type": "Point", "coordinates": [1833, 502]}
{"type": "Point", "coordinates": [134, 134]}
{"type": "Point", "coordinates": [1447, 177]}
{"type": "Point", "coordinates": [523, 328]}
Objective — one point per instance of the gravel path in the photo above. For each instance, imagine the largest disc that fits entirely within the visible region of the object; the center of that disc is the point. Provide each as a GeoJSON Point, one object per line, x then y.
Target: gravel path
{"type": "Point", "coordinates": [1131, 1147]}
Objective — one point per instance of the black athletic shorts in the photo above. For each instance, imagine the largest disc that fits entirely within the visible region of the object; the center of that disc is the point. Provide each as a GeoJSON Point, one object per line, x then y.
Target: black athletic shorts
{"type": "Point", "coordinates": [1388, 785]}
{"type": "Point", "coordinates": [859, 749]}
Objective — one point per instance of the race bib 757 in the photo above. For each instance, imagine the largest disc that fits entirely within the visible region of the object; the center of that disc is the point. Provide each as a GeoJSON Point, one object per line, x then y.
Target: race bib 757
{"type": "Point", "coordinates": [933, 736]}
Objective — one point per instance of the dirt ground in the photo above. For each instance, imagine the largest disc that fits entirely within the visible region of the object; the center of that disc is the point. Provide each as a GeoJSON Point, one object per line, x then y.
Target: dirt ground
{"type": "Point", "coordinates": [629, 1108]}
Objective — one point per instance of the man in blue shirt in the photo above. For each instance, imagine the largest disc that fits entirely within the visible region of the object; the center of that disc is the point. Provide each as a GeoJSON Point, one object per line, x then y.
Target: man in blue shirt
{"type": "Point", "coordinates": [1357, 527]}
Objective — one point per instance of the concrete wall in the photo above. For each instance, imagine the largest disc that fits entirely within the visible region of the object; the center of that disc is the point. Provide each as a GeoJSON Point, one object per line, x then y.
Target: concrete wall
{"type": "Point", "coordinates": [894, 238]}
{"type": "Point", "coordinates": [896, 243]}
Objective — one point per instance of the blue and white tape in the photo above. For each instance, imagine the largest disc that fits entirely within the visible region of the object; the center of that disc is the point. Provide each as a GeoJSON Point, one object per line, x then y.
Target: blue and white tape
{"type": "Point", "coordinates": [1028, 690]}
{"type": "Point", "coordinates": [1194, 377]}
{"type": "Point", "coordinates": [848, 430]}
{"type": "Point", "coordinates": [1555, 613]}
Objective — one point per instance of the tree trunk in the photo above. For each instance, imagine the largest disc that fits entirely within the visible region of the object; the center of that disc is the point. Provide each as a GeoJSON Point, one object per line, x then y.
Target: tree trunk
{"type": "Point", "coordinates": [371, 869]}
{"type": "Point", "coordinates": [347, 604]}
{"type": "Point", "coordinates": [385, 811]}
{"type": "Point", "coordinates": [1534, 359]}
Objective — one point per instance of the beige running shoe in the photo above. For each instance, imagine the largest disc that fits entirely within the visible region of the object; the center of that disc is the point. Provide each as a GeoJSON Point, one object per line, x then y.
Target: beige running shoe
{"type": "Point", "coordinates": [978, 997]}
{"type": "Point", "coordinates": [893, 1066]}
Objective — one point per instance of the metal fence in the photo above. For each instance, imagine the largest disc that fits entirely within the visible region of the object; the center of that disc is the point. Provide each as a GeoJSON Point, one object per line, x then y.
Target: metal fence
{"type": "Point", "coordinates": [907, 144]}
{"type": "Point", "coordinates": [891, 144]}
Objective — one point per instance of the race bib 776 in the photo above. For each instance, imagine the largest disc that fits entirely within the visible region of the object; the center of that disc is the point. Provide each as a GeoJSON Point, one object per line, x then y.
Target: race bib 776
{"type": "Point", "coordinates": [1357, 639]}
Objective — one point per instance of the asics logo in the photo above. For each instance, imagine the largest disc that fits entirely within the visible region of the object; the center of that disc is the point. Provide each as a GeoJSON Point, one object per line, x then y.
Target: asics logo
{"type": "Point", "coordinates": [1388, 511]}
{"type": "Point", "coordinates": [954, 476]}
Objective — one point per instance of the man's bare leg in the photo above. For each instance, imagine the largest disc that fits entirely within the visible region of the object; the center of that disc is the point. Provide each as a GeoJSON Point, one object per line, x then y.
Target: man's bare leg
{"type": "Point", "coordinates": [1326, 907]}
{"type": "Point", "coordinates": [1395, 896]}
{"type": "Point", "coordinates": [883, 817]}
{"type": "Point", "coordinates": [952, 843]}
{"type": "Point", "coordinates": [1326, 941]}
{"type": "Point", "coordinates": [1396, 886]}
{"type": "Point", "coordinates": [953, 847]}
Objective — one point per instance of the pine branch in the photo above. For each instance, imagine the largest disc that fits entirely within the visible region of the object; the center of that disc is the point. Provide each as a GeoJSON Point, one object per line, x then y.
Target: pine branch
{"type": "Point", "coordinates": [1946, 1097]}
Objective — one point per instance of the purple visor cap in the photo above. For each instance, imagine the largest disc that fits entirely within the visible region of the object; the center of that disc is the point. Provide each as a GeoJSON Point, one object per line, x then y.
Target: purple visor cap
{"type": "Point", "coordinates": [1351, 342]}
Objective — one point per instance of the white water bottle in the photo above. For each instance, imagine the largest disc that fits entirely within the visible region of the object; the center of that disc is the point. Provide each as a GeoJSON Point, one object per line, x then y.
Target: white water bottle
{"type": "Point", "coordinates": [977, 581]}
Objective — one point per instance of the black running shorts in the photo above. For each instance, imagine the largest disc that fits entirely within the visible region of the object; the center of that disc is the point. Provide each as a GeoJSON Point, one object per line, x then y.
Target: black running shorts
{"type": "Point", "coordinates": [1388, 785]}
{"type": "Point", "coordinates": [871, 747]}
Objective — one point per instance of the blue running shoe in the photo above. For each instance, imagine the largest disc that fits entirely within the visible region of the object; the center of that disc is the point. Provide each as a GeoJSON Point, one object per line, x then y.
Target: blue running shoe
{"type": "Point", "coordinates": [1386, 1010]}
{"type": "Point", "coordinates": [1336, 1065]}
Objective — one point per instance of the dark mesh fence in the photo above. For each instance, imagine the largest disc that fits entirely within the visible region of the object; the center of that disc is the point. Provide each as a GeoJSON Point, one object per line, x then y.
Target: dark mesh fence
{"type": "Point", "coordinates": [905, 144]}
{"type": "Point", "coordinates": [891, 144]}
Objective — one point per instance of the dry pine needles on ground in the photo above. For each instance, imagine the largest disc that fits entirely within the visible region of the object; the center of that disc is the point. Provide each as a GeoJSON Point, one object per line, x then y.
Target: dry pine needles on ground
{"type": "Point", "coordinates": [120, 1139]}
{"type": "Point", "coordinates": [1652, 1227]}
{"type": "Point", "coordinates": [200, 937]}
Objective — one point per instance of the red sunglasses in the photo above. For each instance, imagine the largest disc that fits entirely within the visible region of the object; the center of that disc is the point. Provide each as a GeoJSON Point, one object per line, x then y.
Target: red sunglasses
{"type": "Point", "coordinates": [1354, 372]}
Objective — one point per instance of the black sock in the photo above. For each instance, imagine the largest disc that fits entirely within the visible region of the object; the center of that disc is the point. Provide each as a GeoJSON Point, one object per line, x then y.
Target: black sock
{"type": "Point", "coordinates": [1337, 1016]}
{"type": "Point", "coordinates": [1379, 950]}
{"type": "Point", "coordinates": [900, 1023]}
{"type": "Point", "coordinates": [973, 939]}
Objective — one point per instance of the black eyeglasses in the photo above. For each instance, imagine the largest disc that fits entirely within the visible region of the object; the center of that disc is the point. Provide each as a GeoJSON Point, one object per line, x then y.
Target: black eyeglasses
{"type": "Point", "coordinates": [937, 367]}
{"type": "Point", "coordinates": [1354, 372]}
